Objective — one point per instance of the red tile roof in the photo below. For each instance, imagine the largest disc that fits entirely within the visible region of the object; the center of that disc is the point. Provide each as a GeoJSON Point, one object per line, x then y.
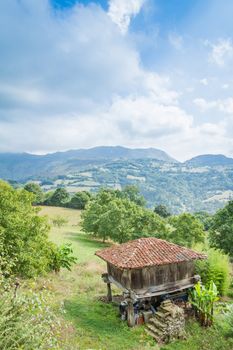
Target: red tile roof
{"type": "Point", "coordinates": [147, 252]}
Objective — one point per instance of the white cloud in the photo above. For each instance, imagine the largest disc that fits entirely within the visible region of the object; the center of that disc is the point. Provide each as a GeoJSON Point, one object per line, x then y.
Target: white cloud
{"type": "Point", "coordinates": [74, 81]}
{"type": "Point", "coordinates": [222, 105]}
{"type": "Point", "coordinates": [121, 12]}
{"type": "Point", "coordinates": [221, 51]}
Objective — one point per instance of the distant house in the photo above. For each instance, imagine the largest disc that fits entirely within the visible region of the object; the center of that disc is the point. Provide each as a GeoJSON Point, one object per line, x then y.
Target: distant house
{"type": "Point", "coordinates": [148, 268]}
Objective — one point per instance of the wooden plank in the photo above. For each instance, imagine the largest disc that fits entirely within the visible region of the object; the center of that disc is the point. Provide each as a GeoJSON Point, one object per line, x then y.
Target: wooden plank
{"type": "Point", "coordinates": [167, 286]}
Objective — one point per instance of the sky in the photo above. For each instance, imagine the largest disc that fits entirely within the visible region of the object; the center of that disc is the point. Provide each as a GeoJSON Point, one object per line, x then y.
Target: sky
{"type": "Point", "coordinates": [136, 73]}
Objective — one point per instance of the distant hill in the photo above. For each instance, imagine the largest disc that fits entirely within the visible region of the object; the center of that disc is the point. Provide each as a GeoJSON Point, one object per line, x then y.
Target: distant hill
{"type": "Point", "coordinates": [19, 166]}
{"type": "Point", "coordinates": [210, 160]}
{"type": "Point", "coordinates": [202, 183]}
{"type": "Point", "coordinates": [113, 153]}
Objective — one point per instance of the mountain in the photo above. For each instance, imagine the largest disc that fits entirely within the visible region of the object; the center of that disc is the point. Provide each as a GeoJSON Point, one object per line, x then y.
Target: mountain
{"type": "Point", "coordinates": [202, 183]}
{"type": "Point", "coordinates": [113, 153]}
{"type": "Point", "coordinates": [210, 160]}
{"type": "Point", "coordinates": [20, 166]}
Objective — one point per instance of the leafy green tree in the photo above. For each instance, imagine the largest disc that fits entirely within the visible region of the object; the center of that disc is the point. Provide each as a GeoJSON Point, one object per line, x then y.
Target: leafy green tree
{"type": "Point", "coordinates": [162, 211]}
{"type": "Point", "coordinates": [132, 193]}
{"type": "Point", "coordinates": [36, 190]}
{"type": "Point", "coordinates": [23, 234]}
{"type": "Point", "coordinates": [79, 200]}
{"type": "Point", "coordinates": [108, 216]}
{"type": "Point", "coordinates": [187, 230]}
{"type": "Point", "coordinates": [59, 198]}
{"type": "Point", "coordinates": [94, 210]}
{"type": "Point", "coordinates": [221, 233]}
{"type": "Point", "coordinates": [205, 218]}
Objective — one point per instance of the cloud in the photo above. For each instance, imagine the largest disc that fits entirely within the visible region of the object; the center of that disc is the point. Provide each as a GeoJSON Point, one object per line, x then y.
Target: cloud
{"type": "Point", "coordinates": [71, 79]}
{"type": "Point", "coordinates": [176, 40]}
{"type": "Point", "coordinates": [121, 12]}
{"type": "Point", "coordinates": [221, 51]}
{"type": "Point", "coordinates": [222, 105]}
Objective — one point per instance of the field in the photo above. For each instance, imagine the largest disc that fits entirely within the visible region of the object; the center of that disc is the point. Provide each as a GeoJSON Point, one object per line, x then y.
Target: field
{"type": "Point", "coordinates": [91, 324]}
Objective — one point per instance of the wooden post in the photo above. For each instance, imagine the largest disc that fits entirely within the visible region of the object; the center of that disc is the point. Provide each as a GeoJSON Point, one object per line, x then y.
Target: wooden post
{"type": "Point", "coordinates": [130, 314]}
{"type": "Point", "coordinates": [109, 293]}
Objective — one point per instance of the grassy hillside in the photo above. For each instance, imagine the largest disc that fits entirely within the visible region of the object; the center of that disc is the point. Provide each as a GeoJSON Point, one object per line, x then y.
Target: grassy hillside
{"type": "Point", "coordinates": [91, 324]}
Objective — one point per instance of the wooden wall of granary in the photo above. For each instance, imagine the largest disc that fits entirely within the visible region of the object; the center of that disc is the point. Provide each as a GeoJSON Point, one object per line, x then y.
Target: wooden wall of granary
{"type": "Point", "coordinates": [152, 276]}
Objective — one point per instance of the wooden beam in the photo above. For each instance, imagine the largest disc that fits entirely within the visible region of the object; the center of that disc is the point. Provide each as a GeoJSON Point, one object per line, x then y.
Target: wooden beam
{"type": "Point", "coordinates": [130, 314]}
{"type": "Point", "coordinates": [109, 292]}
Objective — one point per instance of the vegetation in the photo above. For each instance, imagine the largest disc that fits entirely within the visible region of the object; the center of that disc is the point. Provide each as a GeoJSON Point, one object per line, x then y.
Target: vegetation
{"type": "Point", "coordinates": [36, 190]}
{"type": "Point", "coordinates": [187, 230]}
{"type": "Point", "coordinates": [62, 257]}
{"type": "Point", "coordinates": [162, 210]}
{"type": "Point", "coordinates": [109, 216]}
{"type": "Point", "coordinates": [180, 187]}
{"type": "Point", "coordinates": [79, 200]}
{"type": "Point", "coordinates": [27, 322]}
{"type": "Point", "coordinates": [59, 198]}
{"type": "Point", "coordinates": [203, 300]}
{"type": "Point", "coordinates": [215, 268]}
{"type": "Point", "coordinates": [59, 221]}
{"type": "Point", "coordinates": [221, 233]}
{"type": "Point", "coordinates": [24, 244]}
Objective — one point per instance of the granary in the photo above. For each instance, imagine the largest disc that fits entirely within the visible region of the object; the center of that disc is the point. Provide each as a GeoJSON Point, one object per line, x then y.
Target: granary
{"type": "Point", "coordinates": [148, 268]}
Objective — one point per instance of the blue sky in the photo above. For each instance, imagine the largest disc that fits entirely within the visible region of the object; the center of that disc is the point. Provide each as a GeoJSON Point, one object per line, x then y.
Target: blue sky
{"type": "Point", "coordinates": [138, 73]}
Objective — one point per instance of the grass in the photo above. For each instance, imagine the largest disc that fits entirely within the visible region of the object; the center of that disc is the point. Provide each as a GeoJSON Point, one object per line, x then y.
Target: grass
{"type": "Point", "coordinates": [90, 324]}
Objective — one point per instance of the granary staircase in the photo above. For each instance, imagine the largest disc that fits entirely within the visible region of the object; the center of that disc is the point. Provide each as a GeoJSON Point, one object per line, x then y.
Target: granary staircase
{"type": "Point", "coordinates": [167, 323]}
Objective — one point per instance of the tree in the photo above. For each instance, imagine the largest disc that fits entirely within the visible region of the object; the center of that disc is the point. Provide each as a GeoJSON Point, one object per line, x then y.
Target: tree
{"type": "Point", "coordinates": [221, 232]}
{"type": "Point", "coordinates": [132, 193]}
{"type": "Point", "coordinates": [108, 216]}
{"type": "Point", "coordinates": [25, 249]}
{"type": "Point", "coordinates": [187, 230]}
{"type": "Point", "coordinates": [24, 245]}
{"type": "Point", "coordinates": [59, 198]}
{"type": "Point", "coordinates": [162, 211]}
{"type": "Point", "coordinates": [36, 190]}
{"type": "Point", "coordinates": [205, 218]}
{"type": "Point", "coordinates": [79, 200]}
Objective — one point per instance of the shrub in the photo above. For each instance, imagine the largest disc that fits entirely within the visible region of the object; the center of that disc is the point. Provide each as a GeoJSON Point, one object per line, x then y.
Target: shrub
{"type": "Point", "coordinates": [215, 268]}
{"type": "Point", "coordinates": [79, 200]}
{"type": "Point", "coordinates": [62, 257]}
{"type": "Point", "coordinates": [203, 300]}
{"type": "Point", "coordinates": [59, 221]}
{"type": "Point", "coordinates": [23, 234]}
{"type": "Point", "coordinates": [27, 323]}
{"type": "Point", "coordinates": [229, 320]}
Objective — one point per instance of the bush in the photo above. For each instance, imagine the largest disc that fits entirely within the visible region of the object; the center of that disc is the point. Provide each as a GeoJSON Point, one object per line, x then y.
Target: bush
{"type": "Point", "coordinates": [27, 323]}
{"type": "Point", "coordinates": [62, 257]}
{"type": "Point", "coordinates": [24, 244]}
{"type": "Point", "coordinates": [215, 268]}
{"type": "Point", "coordinates": [79, 200]}
{"type": "Point", "coordinates": [59, 221]}
{"type": "Point", "coordinates": [203, 300]}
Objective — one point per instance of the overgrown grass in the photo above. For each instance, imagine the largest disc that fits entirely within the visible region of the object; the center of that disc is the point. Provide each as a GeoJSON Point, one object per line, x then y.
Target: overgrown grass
{"type": "Point", "coordinates": [90, 324]}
